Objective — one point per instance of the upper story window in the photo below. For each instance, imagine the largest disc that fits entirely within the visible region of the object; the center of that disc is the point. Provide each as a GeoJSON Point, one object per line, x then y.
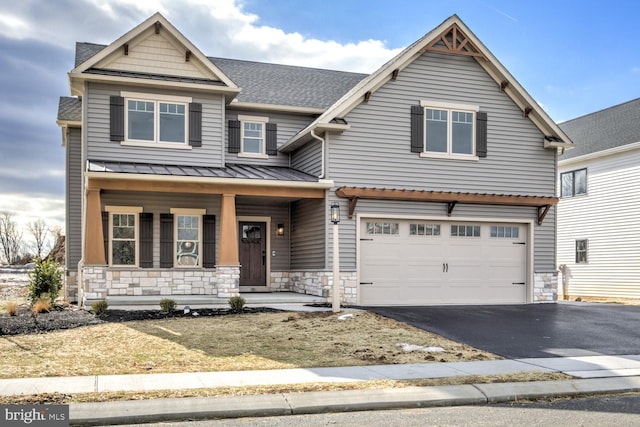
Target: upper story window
{"type": "Point", "coordinates": [448, 130]}
{"type": "Point", "coordinates": [253, 136]}
{"type": "Point", "coordinates": [573, 183]}
{"type": "Point", "coordinates": [143, 119]}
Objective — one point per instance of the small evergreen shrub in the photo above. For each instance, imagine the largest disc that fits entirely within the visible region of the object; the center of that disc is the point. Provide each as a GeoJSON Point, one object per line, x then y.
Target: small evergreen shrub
{"type": "Point", "coordinates": [42, 304]}
{"type": "Point", "coordinates": [99, 308]}
{"type": "Point", "coordinates": [167, 305]}
{"type": "Point", "coordinates": [12, 308]}
{"type": "Point", "coordinates": [45, 279]}
{"type": "Point", "coordinates": [236, 303]}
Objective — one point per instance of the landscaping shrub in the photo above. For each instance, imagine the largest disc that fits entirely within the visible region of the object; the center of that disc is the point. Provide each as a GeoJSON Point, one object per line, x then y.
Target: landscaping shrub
{"type": "Point", "coordinates": [99, 308]}
{"type": "Point", "coordinates": [237, 303]}
{"type": "Point", "coordinates": [45, 279]}
{"type": "Point", "coordinates": [12, 308]}
{"type": "Point", "coordinates": [42, 304]}
{"type": "Point", "coordinates": [167, 305]}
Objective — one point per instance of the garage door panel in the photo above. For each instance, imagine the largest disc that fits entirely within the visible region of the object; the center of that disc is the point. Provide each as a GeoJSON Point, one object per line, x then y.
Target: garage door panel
{"type": "Point", "coordinates": [423, 263]}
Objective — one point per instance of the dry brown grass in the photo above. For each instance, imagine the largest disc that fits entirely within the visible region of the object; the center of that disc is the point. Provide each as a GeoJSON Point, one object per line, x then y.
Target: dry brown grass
{"type": "Point", "coordinates": [224, 343]}
{"type": "Point", "coordinates": [41, 305]}
{"type": "Point", "coordinates": [56, 398]}
{"type": "Point", "coordinates": [12, 308]}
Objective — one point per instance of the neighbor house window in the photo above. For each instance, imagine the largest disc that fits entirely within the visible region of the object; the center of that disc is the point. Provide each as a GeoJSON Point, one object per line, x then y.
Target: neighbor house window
{"type": "Point", "coordinates": [573, 183]}
{"type": "Point", "coordinates": [253, 135]}
{"type": "Point", "coordinates": [123, 235]}
{"type": "Point", "coordinates": [449, 129]}
{"type": "Point", "coordinates": [188, 237]}
{"type": "Point", "coordinates": [582, 246]}
{"type": "Point", "coordinates": [156, 119]}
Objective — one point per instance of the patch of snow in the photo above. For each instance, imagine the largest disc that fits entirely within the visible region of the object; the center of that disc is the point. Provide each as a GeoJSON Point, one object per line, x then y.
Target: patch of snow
{"type": "Point", "coordinates": [345, 316]}
{"type": "Point", "coordinates": [413, 347]}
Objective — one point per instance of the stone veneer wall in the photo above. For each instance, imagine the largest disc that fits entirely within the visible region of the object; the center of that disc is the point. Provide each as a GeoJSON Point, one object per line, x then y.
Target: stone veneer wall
{"type": "Point", "coordinates": [101, 282]}
{"type": "Point", "coordinates": [545, 286]}
{"type": "Point", "coordinates": [318, 283]}
{"type": "Point", "coordinates": [71, 286]}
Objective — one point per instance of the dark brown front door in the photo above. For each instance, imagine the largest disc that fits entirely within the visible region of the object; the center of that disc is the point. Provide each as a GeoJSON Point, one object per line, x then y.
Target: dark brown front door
{"type": "Point", "coordinates": [253, 253]}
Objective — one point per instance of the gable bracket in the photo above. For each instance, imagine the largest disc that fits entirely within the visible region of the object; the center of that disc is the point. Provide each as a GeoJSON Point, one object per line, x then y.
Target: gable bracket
{"type": "Point", "coordinates": [157, 26]}
{"type": "Point", "coordinates": [394, 74]}
{"type": "Point", "coordinates": [367, 95]}
{"type": "Point", "coordinates": [353, 201]}
{"type": "Point", "coordinates": [187, 56]}
{"type": "Point", "coordinates": [503, 85]}
{"type": "Point", "coordinates": [454, 40]}
{"type": "Point", "coordinates": [450, 206]}
{"type": "Point", "coordinates": [527, 111]}
{"type": "Point", "coordinates": [542, 212]}
{"type": "Point", "coordinates": [126, 49]}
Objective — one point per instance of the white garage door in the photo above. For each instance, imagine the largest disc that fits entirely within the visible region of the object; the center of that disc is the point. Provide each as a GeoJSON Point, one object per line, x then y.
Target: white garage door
{"type": "Point", "coordinates": [405, 262]}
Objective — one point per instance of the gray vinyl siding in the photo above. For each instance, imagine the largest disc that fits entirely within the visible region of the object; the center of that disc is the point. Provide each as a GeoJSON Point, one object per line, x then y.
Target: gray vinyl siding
{"type": "Point", "coordinates": [279, 213]}
{"type": "Point", "coordinates": [288, 125]}
{"type": "Point", "coordinates": [308, 158]}
{"type": "Point", "coordinates": [158, 203]}
{"type": "Point", "coordinates": [101, 148]}
{"type": "Point", "coordinates": [375, 152]}
{"type": "Point", "coordinates": [73, 219]}
{"type": "Point", "coordinates": [308, 230]}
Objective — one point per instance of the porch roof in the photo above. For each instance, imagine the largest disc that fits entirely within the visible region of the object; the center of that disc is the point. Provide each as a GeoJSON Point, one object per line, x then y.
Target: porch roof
{"type": "Point", "coordinates": [230, 170]}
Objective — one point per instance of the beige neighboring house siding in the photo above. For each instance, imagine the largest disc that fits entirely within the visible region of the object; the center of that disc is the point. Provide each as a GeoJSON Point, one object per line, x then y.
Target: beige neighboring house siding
{"type": "Point", "coordinates": [607, 216]}
{"type": "Point", "coordinates": [155, 54]}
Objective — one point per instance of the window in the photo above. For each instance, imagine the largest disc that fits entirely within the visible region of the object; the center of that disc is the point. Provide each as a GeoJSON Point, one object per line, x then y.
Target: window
{"type": "Point", "coordinates": [156, 119]}
{"type": "Point", "coordinates": [388, 228]}
{"type": "Point", "coordinates": [573, 183]}
{"type": "Point", "coordinates": [502, 231]}
{"type": "Point", "coordinates": [424, 229]}
{"type": "Point", "coordinates": [188, 237]}
{"type": "Point", "coordinates": [253, 136]}
{"type": "Point", "coordinates": [582, 247]}
{"type": "Point", "coordinates": [465, 230]}
{"type": "Point", "coordinates": [123, 235]}
{"type": "Point", "coordinates": [449, 129]}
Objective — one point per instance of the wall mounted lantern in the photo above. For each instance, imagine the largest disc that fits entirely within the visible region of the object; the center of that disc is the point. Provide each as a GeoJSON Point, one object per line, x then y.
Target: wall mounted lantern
{"type": "Point", "coordinates": [280, 229]}
{"type": "Point", "coordinates": [335, 213]}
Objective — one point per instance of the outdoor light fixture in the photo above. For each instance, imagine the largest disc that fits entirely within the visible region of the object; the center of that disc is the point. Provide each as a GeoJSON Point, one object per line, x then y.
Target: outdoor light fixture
{"type": "Point", "coordinates": [335, 213]}
{"type": "Point", "coordinates": [280, 229]}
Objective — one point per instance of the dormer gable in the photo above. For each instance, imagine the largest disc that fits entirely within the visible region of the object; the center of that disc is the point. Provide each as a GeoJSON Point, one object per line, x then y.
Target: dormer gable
{"type": "Point", "coordinates": [153, 53]}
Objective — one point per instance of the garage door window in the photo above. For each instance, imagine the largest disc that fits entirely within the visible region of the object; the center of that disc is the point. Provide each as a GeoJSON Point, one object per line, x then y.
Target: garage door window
{"type": "Point", "coordinates": [508, 232]}
{"type": "Point", "coordinates": [465, 230]}
{"type": "Point", "coordinates": [422, 229]}
{"type": "Point", "coordinates": [388, 228]}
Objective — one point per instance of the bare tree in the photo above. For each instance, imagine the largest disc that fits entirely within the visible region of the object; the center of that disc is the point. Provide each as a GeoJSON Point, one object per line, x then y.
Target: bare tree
{"type": "Point", "coordinates": [40, 232]}
{"type": "Point", "coordinates": [10, 237]}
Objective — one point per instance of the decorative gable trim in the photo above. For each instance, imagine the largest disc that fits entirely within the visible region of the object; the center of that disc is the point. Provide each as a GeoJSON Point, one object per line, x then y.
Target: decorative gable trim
{"type": "Point", "coordinates": [453, 40]}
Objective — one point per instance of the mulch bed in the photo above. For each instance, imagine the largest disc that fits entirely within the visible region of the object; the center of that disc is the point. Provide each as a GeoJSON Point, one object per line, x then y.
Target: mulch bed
{"type": "Point", "coordinates": [69, 317]}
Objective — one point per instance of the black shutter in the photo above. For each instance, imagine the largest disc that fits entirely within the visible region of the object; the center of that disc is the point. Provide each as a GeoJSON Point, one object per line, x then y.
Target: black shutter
{"type": "Point", "coordinates": [417, 129]}
{"type": "Point", "coordinates": [166, 240]}
{"type": "Point", "coordinates": [272, 139]}
{"type": "Point", "coordinates": [481, 134]}
{"type": "Point", "coordinates": [116, 114]}
{"type": "Point", "coordinates": [195, 124]}
{"type": "Point", "coordinates": [105, 235]}
{"type": "Point", "coordinates": [146, 240]}
{"type": "Point", "coordinates": [234, 136]}
{"type": "Point", "coordinates": [209, 241]}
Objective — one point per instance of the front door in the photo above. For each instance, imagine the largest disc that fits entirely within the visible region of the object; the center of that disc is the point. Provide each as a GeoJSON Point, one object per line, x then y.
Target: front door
{"type": "Point", "coordinates": [253, 253]}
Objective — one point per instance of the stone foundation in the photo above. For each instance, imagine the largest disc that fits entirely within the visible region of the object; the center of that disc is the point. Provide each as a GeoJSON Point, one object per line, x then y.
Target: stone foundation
{"type": "Point", "coordinates": [317, 283]}
{"type": "Point", "coordinates": [71, 286]}
{"type": "Point", "coordinates": [545, 286]}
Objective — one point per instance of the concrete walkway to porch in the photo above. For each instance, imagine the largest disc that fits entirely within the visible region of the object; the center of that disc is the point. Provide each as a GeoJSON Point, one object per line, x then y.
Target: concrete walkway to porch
{"type": "Point", "coordinates": [279, 300]}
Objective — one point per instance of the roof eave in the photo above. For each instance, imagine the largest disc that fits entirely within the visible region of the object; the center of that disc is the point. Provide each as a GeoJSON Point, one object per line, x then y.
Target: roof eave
{"type": "Point", "coordinates": [277, 108]}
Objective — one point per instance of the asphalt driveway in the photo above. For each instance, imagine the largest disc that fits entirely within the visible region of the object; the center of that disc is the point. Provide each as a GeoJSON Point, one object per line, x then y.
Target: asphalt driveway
{"type": "Point", "coordinates": [533, 330]}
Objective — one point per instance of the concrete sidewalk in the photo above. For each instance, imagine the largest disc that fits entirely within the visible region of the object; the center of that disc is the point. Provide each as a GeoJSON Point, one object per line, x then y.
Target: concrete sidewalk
{"type": "Point", "coordinates": [601, 374]}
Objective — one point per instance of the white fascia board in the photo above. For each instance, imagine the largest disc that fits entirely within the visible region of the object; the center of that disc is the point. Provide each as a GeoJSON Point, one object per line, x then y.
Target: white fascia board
{"type": "Point", "coordinates": [321, 184]}
{"type": "Point", "coordinates": [239, 105]}
{"type": "Point", "coordinates": [600, 154]}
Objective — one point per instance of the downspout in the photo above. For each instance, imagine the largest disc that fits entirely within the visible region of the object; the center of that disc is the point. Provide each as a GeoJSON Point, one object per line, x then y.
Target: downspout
{"type": "Point", "coordinates": [322, 170]}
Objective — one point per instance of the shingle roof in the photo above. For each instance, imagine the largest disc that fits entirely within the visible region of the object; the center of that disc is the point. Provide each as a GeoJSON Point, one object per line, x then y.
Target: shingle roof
{"type": "Point", "coordinates": [609, 128]}
{"type": "Point", "coordinates": [69, 109]}
{"type": "Point", "coordinates": [237, 171]}
{"type": "Point", "coordinates": [265, 83]}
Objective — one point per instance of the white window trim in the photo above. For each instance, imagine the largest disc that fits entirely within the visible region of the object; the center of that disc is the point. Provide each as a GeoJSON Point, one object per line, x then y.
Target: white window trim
{"type": "Point", "coordinates": [449, 106]}
{"type": "Point", "coordinates": [128, 210]}
{"type": "Point", "coordinates": [156, 99]}
{"type": "Point", "coordinates": [253, 119]}
{"type": "Point", "coordinates": [188, 212]}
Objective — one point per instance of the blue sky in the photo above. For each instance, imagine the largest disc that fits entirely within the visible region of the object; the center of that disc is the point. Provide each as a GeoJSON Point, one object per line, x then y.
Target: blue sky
{"type": "Point", "coordinates": [573, 57]}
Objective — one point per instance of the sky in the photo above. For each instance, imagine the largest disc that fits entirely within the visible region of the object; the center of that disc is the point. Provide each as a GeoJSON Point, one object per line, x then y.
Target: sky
{"type": "Point", "coordinates": [573, 57]}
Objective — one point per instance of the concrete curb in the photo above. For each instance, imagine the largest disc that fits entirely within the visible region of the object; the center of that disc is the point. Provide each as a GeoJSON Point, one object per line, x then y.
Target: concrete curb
{"type": "Point", "coordinates": [145, 411]}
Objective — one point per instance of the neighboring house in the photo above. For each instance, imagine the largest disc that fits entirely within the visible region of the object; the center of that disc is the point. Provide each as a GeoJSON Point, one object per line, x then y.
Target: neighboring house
{"type": "Point", "coordinates": [598, 226]}
{"type": "Point", "coordinates": [191, 175]}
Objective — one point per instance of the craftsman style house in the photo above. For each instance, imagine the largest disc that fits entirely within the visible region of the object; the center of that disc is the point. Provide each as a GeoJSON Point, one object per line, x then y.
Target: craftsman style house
{"type": "Point", "coordinates": [195, 175]}
{"type": "Point", "coordinates": [598, 232]}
